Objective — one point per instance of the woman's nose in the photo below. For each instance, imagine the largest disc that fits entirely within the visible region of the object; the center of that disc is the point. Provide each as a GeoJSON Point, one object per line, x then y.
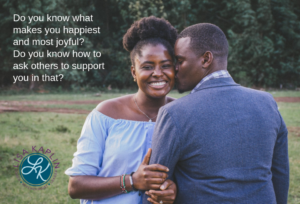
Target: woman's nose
{"type": "Point", "coordinates": [157, 71]}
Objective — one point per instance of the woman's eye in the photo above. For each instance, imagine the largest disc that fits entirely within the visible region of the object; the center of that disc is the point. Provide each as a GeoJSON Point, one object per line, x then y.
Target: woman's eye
{"type": "Point", "coordinates": [147, 67]}
{"type": "Point", "coordinates": [166, 66]}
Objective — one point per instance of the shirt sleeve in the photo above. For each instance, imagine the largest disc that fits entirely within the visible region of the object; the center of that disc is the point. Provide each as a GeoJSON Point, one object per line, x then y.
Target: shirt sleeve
{"type": "Point", "coordinates": [280, 165]}
{"type": "Point", "coordinates": [90, 146]}
{"type": "Point", "coordinates": [166, 142]}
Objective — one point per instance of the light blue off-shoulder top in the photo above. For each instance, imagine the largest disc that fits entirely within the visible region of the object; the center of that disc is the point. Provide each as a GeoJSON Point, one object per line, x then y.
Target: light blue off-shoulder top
{"type": "Point", "coordinates": [111, 147]}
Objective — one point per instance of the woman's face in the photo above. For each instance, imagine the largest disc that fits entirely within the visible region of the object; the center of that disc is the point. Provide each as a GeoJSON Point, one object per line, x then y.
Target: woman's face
{"type": "Point", "coordinates": [154, 71]}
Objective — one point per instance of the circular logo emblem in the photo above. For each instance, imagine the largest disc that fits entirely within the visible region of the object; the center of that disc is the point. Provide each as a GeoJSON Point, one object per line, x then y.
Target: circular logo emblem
{"type": "Point", "coordinates": [36, 169]}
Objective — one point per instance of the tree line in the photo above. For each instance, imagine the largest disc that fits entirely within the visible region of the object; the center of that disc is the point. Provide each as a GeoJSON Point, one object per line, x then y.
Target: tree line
{"type": "Point", "coordinates": [263, 35]}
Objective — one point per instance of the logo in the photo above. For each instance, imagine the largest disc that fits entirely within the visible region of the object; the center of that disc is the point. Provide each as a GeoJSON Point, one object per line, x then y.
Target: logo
{"type": "Point", "coordinates": [36, 170]}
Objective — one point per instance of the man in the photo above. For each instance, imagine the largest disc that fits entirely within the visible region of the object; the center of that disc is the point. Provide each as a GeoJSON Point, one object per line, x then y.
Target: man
{"type": "Point", "coordinates": [223, 143]}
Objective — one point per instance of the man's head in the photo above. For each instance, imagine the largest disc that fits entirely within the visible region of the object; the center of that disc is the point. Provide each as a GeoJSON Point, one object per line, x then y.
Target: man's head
{"type": "Point", "coordinates": [200, 50]}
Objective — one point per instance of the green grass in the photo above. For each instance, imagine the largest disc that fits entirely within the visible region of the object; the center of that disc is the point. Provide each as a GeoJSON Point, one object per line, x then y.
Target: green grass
{"type": "Point", "coordinates": [59, 132]}
{"type": "Point", "coordinates": [285, 93]}
{"type": "Point", "coordinates": [291, 115]}
{"type": "Point", "coordinates": [64, 96]}
{"type": "Point", "coordinates": [294, 152]}
{"type": "Point", "coordinates": [73, 97]}
{"type": "Point", "coordinates": [71, 106]}
{"type": "Point", "coordinates": [104, 96]}
{"type": "Point", "coordinates": [108, 95]}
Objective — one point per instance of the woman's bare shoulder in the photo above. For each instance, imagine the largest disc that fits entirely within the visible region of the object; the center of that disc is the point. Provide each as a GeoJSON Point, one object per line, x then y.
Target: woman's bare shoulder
{"type": "Point", "coordinates": [114, 108]}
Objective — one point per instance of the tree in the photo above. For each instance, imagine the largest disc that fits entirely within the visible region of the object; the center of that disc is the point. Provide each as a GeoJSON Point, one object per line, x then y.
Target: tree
{"type": "Point", "coordinates": [38, 8]}
{"type": "Point", "coordinates": [263, 36]}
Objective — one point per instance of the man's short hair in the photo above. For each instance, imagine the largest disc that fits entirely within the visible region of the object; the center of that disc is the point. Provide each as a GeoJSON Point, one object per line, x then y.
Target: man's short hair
{"type": "Point", "coordinates": [206, 37]}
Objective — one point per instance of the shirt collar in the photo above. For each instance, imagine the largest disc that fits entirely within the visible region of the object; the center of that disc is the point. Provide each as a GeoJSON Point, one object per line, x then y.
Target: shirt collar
{"type": "Point", "coordinates": [214, 75]}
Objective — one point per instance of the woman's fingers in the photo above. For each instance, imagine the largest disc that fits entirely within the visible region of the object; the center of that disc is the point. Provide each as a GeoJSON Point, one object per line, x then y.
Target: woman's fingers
{"type": "Point", "coordinates": [154, 174]}
{"type": "Point", "coordinates": [147, 157]}
{"type": "Point", "coordinates": [157, 167]}
{"type": "Point", "coordinates": [158, 181]}
{"type": "Point", "coordinates": [149, 176]}
{"type": "Point", "coordinates": [154, 186]}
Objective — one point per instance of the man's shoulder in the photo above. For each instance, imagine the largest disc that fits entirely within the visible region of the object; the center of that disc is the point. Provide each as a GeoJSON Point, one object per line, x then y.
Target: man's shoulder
{"type": "Point", "coordinates": [201, 97]}
{"type": "Point", "coordinates": [257, 94]}
{"type": "Point", "coordinates": [178, 104]}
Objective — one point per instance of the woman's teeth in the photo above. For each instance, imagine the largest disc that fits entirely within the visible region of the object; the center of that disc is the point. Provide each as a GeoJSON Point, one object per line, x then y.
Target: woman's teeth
{"type": "Point", "coordinates": [158, 83]}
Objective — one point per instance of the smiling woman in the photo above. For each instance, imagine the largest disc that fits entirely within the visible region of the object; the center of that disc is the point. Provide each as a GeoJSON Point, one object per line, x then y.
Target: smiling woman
{"type": "Point", "coordinates": [154, 71]}
{"type": "Point", "coordinates": [111, 162]}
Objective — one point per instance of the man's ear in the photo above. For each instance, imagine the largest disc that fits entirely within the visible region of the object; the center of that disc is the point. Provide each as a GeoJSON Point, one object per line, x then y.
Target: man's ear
{"type": "Point", "coordinates": [133, 72]}
{"type": "Point", "coordinates": [207, 59]}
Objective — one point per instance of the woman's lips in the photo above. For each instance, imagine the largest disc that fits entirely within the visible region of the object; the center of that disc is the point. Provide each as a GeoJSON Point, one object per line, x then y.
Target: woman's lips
{"type": "Point", "coordinates": [158, 84]}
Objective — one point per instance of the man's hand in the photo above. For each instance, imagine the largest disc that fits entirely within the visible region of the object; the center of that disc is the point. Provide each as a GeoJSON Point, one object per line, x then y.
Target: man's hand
{"type": "Point", "coordinates": [167, 194]}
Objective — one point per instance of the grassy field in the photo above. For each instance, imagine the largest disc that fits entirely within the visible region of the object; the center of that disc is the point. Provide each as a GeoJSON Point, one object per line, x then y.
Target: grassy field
{"type": "Point", "coordinates": [75, 97]}
{"type": "Point", "coordinates": [59, 132]}
{"type": "Point", "coordinates": [22, 131]}
{"type": "Point", "coordinates": [104, 96]}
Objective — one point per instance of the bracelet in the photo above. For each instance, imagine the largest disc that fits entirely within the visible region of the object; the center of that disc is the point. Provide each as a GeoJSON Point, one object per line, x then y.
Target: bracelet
{"type": "Point", "coordinates": [131, 181]}
{"type": "Point", "coordinates": [122, 187]}
{"type": "Point", "coordinates": [124, 184]}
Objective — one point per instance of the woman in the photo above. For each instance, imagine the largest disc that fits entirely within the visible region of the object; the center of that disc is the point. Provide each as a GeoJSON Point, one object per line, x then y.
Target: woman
{"type": "Point", "coordinates": [117, 134]}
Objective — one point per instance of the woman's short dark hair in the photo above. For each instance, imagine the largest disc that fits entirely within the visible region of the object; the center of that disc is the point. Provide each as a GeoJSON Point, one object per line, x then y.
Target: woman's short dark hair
{"type": "Point", "coordinates": [149, 30]}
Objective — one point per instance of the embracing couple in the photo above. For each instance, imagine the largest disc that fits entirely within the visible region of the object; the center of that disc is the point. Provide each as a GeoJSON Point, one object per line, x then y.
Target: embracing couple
{"type": "Point", "coordinates": [222, 143]}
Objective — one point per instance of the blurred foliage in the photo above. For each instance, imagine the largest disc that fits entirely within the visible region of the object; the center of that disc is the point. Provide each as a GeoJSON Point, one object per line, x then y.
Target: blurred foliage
{"type": "Point", "coordinates": [264, 37]}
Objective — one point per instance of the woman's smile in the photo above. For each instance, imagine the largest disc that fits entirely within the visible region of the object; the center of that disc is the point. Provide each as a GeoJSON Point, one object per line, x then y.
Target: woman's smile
{"type": "Point", "coordinates": [158, 84]}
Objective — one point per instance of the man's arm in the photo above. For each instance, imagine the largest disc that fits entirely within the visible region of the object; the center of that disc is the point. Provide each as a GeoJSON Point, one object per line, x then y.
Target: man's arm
{"type": "Point", "coordinates": [280, 165]}
{"type": "Point", "coordinates": [165, 143]}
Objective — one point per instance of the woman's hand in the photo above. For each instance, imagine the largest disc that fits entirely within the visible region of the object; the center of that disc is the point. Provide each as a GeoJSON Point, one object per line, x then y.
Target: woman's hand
{"type": "Point", "coordinates": [167, 194]}
{"type": "Point", "coordinates": [149, 176]}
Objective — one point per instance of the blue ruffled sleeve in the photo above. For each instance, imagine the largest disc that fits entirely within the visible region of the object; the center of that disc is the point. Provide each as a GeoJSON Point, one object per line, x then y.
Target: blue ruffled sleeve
{"type": "Point", "coordinates": [90, 146]}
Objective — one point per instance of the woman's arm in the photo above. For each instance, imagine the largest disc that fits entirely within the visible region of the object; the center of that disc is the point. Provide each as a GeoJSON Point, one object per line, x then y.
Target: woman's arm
{"type": "Point", "coordinates": [96, 188]}
{"type": "Point", "coordinates": [93, 187]}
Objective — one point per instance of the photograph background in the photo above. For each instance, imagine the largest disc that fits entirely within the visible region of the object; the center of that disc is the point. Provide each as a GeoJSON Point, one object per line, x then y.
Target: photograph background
{"type": "Point", "coordinates": [264, 40]}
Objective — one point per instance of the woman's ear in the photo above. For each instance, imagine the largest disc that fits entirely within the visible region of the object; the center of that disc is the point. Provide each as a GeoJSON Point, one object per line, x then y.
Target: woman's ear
{"type": "Point", "coordinates": [133, 73]}
{"type": "Point", "coordinates": [207, 59]}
